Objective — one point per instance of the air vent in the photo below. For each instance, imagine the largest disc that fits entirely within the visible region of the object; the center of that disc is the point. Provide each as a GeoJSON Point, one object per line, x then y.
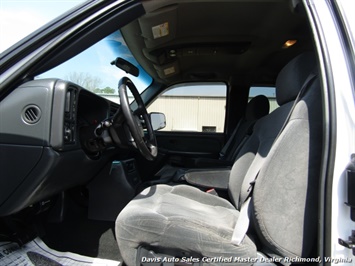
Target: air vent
{"type": "Point", "coordinates": [31, 114]}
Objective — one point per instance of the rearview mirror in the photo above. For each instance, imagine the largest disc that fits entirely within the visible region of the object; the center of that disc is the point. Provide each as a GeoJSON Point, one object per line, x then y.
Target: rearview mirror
{"type": "Point", "coordinates": [158, 120]}
{"type": "Point", "coordinates": [126, 66]}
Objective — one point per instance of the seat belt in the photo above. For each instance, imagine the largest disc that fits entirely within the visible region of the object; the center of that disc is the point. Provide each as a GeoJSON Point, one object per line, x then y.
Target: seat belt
{"type": "Point", "coordinates": [240, 145]}
{"type": "Point", "coordinates": [242, 224]}
{"type": "Point", "coordinates": [227, 146]}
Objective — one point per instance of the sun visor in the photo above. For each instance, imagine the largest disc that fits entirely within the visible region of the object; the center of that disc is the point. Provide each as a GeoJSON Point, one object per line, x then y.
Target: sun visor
{"type": "Point", "coordinates": [167, 70]}
{"type": "Point", "coordinates": [159, 27]}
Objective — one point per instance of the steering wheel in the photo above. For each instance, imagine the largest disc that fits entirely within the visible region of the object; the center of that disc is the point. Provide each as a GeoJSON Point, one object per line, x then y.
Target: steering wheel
{"type": "Point", "coordinates": [147, 145]}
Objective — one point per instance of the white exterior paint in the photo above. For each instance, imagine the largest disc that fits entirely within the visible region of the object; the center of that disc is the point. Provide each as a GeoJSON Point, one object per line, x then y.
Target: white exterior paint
{"type": "Point", "coordinates": [341, 225]}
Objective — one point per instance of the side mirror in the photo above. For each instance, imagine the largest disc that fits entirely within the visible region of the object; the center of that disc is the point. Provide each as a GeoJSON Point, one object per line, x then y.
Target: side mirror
{"type": "Point", "coordinates": [158, 120]}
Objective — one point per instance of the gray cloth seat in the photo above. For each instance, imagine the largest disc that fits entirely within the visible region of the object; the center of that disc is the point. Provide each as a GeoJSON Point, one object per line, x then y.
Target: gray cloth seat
{"type": "Point", "coordinates": [182, 218]}
{"type": "Point", "coordinates": [256, 108]}
{"type": "Point", "coordinates": [284, 202]}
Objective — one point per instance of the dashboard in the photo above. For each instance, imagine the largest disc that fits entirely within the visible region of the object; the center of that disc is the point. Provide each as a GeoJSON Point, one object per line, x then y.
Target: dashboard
{"type": "Point", "coordinates": [47, 141]}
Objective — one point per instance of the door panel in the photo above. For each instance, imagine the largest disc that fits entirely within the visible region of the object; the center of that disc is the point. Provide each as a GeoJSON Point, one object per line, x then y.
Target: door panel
{"type": "Point", "coordinates": [177, 149]}
{"type": "Point", "coordinates": [190, 144]}
{"type": "Point", "coordinates": [195, 117]}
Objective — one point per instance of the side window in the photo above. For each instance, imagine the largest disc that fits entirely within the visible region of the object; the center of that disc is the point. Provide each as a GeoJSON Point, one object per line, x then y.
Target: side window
{"type": "Point", "coordinates": [193, 107]}
{"type": "Point", "coordinates": [269, 92]}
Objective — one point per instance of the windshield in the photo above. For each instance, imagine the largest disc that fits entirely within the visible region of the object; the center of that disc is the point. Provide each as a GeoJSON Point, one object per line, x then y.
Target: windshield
{"type": "Point", "coordinates": [92, 68]}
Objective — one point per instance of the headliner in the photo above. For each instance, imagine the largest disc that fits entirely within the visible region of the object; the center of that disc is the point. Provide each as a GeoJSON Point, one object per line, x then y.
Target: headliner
{"type": "Point", "coordinates": [217, 40]}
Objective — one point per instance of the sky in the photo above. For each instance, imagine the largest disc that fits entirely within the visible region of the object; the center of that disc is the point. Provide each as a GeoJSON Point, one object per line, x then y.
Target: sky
{"type": "Point", "coordinates": [18, 18]}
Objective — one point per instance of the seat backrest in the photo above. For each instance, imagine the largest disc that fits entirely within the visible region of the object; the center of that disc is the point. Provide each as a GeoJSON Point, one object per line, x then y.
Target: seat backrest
{"type": "Point", "coordinates": [284, 198]}
{"type": "Point", "coordinates": [257, 108]}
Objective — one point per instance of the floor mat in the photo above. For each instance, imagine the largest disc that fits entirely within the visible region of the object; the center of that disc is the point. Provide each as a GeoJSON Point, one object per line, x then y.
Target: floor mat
{"type": "Point", "coordinates": [37, 253]}
{"type": "Point", "coordinates": [78, 234]}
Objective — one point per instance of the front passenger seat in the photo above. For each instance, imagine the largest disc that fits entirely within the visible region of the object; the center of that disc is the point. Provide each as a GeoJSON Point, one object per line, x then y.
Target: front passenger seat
{"type": "Point", "coordinates": [184, 221]}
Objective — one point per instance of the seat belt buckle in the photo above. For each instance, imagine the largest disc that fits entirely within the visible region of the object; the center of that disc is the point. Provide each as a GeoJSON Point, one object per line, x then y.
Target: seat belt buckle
{"type": "Point", "coordinates": [212, 191]}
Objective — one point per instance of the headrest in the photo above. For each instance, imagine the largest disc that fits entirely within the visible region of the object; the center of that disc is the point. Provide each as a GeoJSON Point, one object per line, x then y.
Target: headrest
{"type": "Point", "coordinates": [257, 108]}
{"type": "Point", "coordinates": [292, 77]}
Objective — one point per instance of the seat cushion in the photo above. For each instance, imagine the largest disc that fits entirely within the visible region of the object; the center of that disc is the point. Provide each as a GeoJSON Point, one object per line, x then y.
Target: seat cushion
{"type": "Point", "coordinates": [183, 218]}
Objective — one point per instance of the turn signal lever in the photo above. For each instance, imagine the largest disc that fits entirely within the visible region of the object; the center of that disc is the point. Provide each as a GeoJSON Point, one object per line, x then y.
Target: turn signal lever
{"type": "Point", "coordinates": [101, 131]}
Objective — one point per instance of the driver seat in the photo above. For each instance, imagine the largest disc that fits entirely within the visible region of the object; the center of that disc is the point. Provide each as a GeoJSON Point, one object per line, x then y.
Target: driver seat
{"type": "Point", "coordinates": [183, 221]}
